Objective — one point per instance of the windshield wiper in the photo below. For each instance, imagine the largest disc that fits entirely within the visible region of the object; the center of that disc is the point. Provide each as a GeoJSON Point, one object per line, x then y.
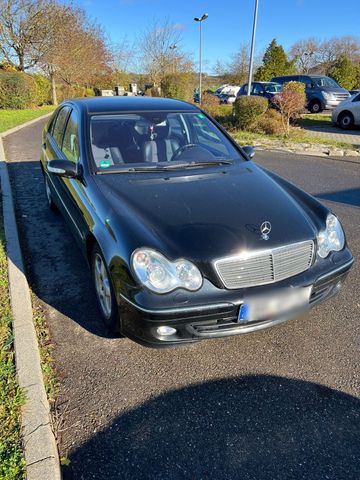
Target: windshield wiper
{"type": "Point", "coordinates": [165, 168]}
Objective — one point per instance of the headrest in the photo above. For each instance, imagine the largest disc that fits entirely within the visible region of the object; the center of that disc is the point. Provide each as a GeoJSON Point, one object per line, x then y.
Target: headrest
{"type": "Point", "coordinates": [161, 131]}
{"type": "Point", "coordinates": [142, 127]}
{"type": "Point", "coordinates": [100, 134]}
{"type": "Point", "coordinates": [120, 135]}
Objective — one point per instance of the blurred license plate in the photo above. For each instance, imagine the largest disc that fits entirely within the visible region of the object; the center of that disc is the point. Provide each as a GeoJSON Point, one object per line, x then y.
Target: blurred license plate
{"type": "Point", "coordinates": [286, 301]}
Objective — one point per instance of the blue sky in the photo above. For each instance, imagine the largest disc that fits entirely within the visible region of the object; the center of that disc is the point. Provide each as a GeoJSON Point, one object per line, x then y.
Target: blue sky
{"type": "Point", "coordinates": [230, 21]}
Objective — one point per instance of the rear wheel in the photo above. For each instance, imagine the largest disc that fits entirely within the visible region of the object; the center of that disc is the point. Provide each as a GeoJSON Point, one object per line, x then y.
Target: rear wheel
{"type": "Point", "coordinates": [315, 106]}
{"type": "Point", "coordinates": [346, 120]}
{"type": "Point", "coordinates": [104, 291]}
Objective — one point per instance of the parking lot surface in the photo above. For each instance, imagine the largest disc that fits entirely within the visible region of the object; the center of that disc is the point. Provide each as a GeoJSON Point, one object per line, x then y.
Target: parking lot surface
{"type": "Point", "coordinates": [278, 404]}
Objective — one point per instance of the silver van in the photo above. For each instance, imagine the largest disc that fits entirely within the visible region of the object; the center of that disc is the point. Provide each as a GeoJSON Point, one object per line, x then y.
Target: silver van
{"type": "Point", "coordinates": [322, 93]}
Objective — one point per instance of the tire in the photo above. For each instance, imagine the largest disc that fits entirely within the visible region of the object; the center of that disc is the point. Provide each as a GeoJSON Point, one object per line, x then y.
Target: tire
{"type": "Point", "coordinates": [49, 196]}
{"type": "Point", "coordinates": [346, 120]}
{"type": "Point", "coordinates": [315, 107]}
{"type": "Point", "coordinates": [104, 292]}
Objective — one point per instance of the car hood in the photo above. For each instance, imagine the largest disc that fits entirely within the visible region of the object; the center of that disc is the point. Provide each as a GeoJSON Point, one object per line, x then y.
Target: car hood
{"type": "Point", "coordinates": [203, 214]}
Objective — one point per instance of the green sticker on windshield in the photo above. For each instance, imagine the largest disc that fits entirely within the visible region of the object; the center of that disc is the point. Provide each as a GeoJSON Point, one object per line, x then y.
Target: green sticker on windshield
{"type": "Point", "coordinates": [201, 115]}
{"type": "Point", "coordinates": [104, 163]}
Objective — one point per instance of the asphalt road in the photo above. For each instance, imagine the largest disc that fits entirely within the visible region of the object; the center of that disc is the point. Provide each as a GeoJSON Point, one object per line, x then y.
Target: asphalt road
{"type": "Point", "coordinates": [279, 404]}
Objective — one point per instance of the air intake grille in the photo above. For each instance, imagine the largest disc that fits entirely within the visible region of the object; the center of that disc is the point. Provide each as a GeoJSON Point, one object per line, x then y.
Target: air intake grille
{"type": "Point", "coordinates": [267, 266]}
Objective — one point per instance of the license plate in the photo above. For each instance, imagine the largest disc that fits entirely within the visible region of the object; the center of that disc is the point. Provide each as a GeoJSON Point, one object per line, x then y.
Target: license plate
{"type": "Point", "coordinates": [286, 301]}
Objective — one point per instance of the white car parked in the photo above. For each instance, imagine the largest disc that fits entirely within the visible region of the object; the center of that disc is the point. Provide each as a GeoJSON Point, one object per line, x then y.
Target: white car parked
{"type": "Point", "coordinates": [347, 113]}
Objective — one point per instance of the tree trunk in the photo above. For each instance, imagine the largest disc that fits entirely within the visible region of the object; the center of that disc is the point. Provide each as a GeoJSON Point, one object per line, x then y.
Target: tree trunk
{"type": "Point", "coordinates": [53, 90]}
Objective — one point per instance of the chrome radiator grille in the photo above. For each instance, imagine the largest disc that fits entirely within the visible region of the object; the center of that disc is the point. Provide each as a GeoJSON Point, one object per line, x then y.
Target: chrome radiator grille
{"type": "Point", "coordinates": [266, 266]}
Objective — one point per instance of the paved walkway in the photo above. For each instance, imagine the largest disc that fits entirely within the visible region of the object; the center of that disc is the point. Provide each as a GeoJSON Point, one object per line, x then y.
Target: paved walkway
{"type": "Point", "coordinates": [333, 133]}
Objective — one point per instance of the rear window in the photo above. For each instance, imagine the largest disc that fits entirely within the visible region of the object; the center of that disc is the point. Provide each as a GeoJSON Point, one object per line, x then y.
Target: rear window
{"type": "Point", "coordinates": [58, 127]}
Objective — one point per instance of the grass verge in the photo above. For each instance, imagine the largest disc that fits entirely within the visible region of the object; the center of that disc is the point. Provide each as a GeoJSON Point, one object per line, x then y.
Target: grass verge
{"type": "Point", "coordinates": [297, 136]}
{"type": "Point", "coordinates": [311, 120]}
{"type": "Point", "coordinates": [12, 462]}
{"type": "Point", "coordinates": [13, 118]}
{"type": "Point", "coordinates": [46, 348]}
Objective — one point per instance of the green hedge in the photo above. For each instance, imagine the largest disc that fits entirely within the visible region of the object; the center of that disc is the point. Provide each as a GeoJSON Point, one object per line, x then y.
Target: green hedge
{"type": "Point", "coordinates": [17, 90]}
{"type": "Point", "coordinates": [43, 90]}
{"type": "Point", "coordinates": [249, 109]}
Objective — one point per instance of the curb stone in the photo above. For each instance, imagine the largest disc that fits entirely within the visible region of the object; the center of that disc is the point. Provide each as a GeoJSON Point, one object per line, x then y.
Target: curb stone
{"type": "Point", "coordinates": [352, 156]}
{"type": "Point", "coordinates": [41, 454]}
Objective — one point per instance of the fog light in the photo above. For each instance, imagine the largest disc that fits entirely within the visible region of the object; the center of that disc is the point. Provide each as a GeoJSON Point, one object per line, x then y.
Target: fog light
{"type": "Point", "coordinates": [166, 331]}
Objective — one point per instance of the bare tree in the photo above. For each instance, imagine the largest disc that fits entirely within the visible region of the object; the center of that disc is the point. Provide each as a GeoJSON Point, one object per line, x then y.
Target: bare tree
{"type": "Point", "coordinates": [26, 30]}
{"type": "Point", "coordinates": [311, 52]}
{"type": "Point", "coordinates": [158, 59]}
{"type": "Point", "coordinates": [236, 69]}
{"type": "Point", "coordinates": [305, 53]}
{"type": "Point", "coordinates": [78, 52]}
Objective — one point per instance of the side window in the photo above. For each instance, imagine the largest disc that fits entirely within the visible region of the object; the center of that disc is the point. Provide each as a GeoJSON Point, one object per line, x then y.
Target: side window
{"type": "Point", "coordinates": [70, 146]}
{"type": "Point", "coordinates": [257, 89]}
{"type": "Point", "coordinates": [245, 89]}
{"type": "Point", "coordinates": [357, 98]}
{"type": "Point", "coordinates": [58, 128]}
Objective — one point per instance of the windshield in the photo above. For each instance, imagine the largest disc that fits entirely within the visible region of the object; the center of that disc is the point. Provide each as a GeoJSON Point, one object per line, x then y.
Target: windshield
{"type": "Point", "coordinates": [152, 140]}
{"type": "Point", "coordinates": [325, 82]}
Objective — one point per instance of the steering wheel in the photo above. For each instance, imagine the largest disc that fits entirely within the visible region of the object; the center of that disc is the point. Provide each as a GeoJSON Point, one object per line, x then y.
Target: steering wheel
{"type": "Point", "coordinates": [179, 151]}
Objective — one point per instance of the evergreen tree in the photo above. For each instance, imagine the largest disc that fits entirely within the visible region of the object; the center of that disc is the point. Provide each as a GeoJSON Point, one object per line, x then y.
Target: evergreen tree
{"type": "Point", "coordinates": [344, 72]}
{"type": "Point", "coordinates": [275, 63]}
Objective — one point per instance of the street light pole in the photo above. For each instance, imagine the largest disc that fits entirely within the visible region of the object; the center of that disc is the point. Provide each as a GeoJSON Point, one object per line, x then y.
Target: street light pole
{"type": "Point", "coordinates": [172, 48]}
{"type": "Point", "coordinates": [200, 20]}
{"type": "Point", "coordinates": [252, 47]}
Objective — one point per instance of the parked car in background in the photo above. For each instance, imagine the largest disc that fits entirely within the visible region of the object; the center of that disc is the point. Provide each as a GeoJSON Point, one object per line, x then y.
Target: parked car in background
{"type": "Point", "coordinates": [261, 89]}
{"type": "Point", "coordinates": [186, 237]}
{"type": "Point", "coordinates": [322, 92]}
{"type": "Point", "coordinates": [227, 98]}
{"type": "Point", "coordinates": [347, 114]}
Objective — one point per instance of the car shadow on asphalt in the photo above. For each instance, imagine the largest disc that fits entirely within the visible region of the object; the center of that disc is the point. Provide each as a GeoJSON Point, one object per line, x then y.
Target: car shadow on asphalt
{"type": "Point", "coordinates": [57, 272]}
{"type": "Point", "coordinates": [349, 196]}
{"type": "Point", "coordinates": [252, 427]}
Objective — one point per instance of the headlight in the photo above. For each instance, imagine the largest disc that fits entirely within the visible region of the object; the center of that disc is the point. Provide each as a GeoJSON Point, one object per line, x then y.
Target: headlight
{"type": "Point", "coordinates": [332, 238]}
{"type": "Point", "coordinates": [328, 96]}
{"type": "Point", "coordinates": [160, 275]}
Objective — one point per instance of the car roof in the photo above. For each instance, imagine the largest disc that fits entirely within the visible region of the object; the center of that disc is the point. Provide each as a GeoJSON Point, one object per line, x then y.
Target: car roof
{"type": "Point", "coordinates": [130, 104]}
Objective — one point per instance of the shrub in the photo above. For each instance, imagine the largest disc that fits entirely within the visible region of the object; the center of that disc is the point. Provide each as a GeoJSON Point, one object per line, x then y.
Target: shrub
{"type": "Point", "coordinates": [271, 123]}
{"type": "Point", "coordinates": [89, 92]}
{"type": "Point", "coordinates": [17, 90]}
{"type": "Point", "coordinates": [178, 85]}
{"type": "Point", "coordinates": [43, 91]}
{"type": "Point", "coordinates": [208, 100]}
{"type": "Point", "coordinates": [248, 110]}
{"type": "Point", "coordinates": [290, 103]}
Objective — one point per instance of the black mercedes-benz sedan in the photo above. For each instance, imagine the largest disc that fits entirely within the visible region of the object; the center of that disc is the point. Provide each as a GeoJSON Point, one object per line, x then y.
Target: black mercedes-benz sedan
{"type": "Point", "coordinates": [186, 237]}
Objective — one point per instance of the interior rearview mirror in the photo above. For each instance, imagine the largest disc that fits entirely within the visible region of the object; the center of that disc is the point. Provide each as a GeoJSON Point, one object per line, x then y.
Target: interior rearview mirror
{"type": "Point", "coordinates": [250, 151]}
{"type": "Point", "coordinates": [62, 168]}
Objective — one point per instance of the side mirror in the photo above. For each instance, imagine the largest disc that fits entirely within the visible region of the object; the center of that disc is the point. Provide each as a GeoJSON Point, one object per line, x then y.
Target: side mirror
{"type": "Point", "coordinates": [62, 168]}
{"type": "Point", "coordinates": [250, 151]}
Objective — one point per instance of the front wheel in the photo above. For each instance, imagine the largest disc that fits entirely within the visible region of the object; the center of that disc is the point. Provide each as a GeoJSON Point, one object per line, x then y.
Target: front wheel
{"type": "Point", "coordinates": [346, 120]}
{"type": "Point", "coordinates": [104, 291]}
{"type": "Point", "coordinates": [315, 107]}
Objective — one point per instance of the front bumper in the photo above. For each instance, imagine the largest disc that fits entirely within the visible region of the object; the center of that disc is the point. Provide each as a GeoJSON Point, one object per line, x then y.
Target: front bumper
{"type": "Point", "coordinates": [220, 319]}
